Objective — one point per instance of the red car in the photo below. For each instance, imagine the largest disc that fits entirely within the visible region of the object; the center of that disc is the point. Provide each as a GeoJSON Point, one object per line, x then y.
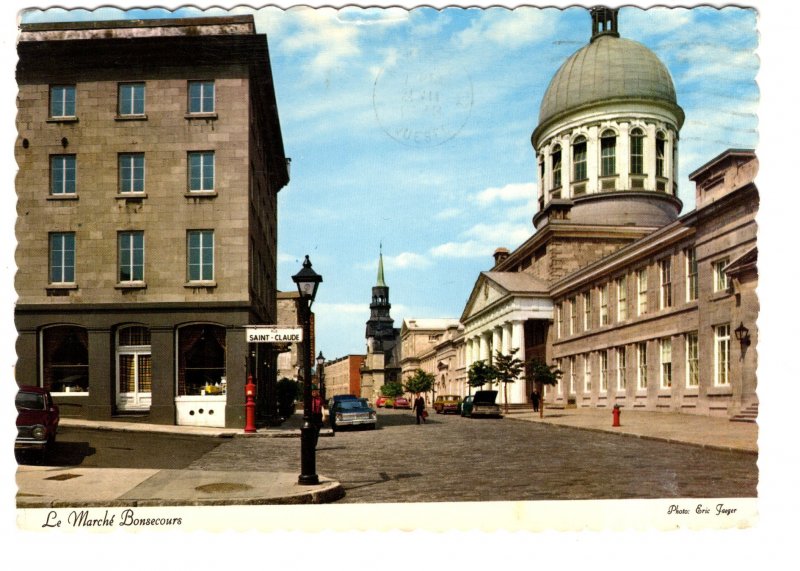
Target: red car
{"type": "Point", "coordinates": [402, 402]}
{"type": "Point", "coordinates": [380, 401]}
{"type": "Point", "coordinates": [37, 418]}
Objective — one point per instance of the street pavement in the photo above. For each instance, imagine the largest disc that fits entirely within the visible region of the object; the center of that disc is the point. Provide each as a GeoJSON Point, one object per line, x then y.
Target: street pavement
{"type": "Point", "coordinates": [218, 480]}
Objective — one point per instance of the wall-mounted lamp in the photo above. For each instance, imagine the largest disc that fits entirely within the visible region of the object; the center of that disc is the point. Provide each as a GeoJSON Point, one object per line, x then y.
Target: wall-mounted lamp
{"type": "Point", "coordinates": [742, 335]}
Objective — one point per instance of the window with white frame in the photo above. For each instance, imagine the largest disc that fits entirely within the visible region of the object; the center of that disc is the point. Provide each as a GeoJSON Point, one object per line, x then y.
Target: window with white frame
{"type": "Point", "coordinates": [622, 298]}
{"type": "Point", "coordinates": [62, 101]}
{"type": "Point", "coordinates": [622, 365]}
{"type": "Point", "coordinates": [556, 164]}
{"type": "Point", "coordinates": [603, 370]}
{"type": "Point", "coordinates": [690, 255]}
{"type": "Point", "coordinates": [130, 100]}
{"type": "Point", "coordinates": [692, 360]}
{"type": "Point", "coordinates": [641, 288]}
{"type": "Point", "coordinates": [587, 310]}
{"type": "Point", "coordinates": [200, 255]}
{"type": "Point", "coordinates": [579, 171]}
{"type": "Point", "coordinates": [560, 385]}
{"type": "Point", "coordinates": [131, 257]}
{"type": "Point", "coordinates": [62, 258]}
{"type": "Point", "coordinates": [587, 373]}
{"type": "Point", "coordinates": [604, 304]}
{"type": "Point", "coordinates": [572, 375]}
{"type": "Point", "coordinates": [201, 97]}
{"type": "Point", "coordinates": [661, 145]}
{"type": "Point", "coordinates": [63, 175]}
{"type": "Point", "coordinates": [666, 362]}
{"type": "Point", "coordinates": [722, 355]}
{"type": "Point", "coordinates": [608, 153]}
{"type": "Point", "coordinates": [573, 315]}
{"type": "Point", "coordinates": [559, 320]}
{"type": "Point", "coordinates": [131, 173]}
{"type": "Point", "coordinates": [665, 285]}
{"type": "Point", "coordinates": [721, 280]}
{"type": "Point", "coordinates": [201, 171]}
{"type": "Point", "coordinates": [637, 151]}
{"type": "Point", "coordinates": [641, 368]}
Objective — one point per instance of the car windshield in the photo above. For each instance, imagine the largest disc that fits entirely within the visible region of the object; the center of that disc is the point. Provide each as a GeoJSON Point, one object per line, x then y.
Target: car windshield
{"type": "Point", "coordinates": [30, 401]}
{"type": "Point", "coordinates": [351, 404]}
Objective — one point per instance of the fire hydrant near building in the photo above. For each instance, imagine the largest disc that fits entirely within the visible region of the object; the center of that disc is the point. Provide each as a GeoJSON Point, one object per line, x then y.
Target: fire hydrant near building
{"type": "Point", "coordinates": [250, 405]}
{"type": "Point", "coordinates": [616, 412]}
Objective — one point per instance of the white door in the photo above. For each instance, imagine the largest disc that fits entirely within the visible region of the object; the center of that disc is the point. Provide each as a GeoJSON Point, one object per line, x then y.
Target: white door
{"type": "Point", "coordinates": [134, 374]}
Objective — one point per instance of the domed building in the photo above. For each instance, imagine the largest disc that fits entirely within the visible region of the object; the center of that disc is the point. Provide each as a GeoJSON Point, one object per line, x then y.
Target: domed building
{"type": "Point", "coordinates": [638, 305]}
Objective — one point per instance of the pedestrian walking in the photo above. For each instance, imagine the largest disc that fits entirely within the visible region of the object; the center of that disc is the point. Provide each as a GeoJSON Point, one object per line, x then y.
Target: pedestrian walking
{"type": "Point", "coordinates": [535, 400]}
{"type": "Point", "coordinates": [316, 414]}
{"type": "Point", "coordinates": [419, 408]}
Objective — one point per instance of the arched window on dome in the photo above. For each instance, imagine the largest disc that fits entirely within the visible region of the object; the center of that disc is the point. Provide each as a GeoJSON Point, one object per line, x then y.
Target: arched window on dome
{"type": "Point", "coordinates": [637, 151]}
{"type": "Point", "coordinates": [579, 159]}
{"type": "Point", "coordinates": [608, 153]}
{"type": "Point", "coordinates": [661, 146]}
{"type": "Point", "coordinates": [555, 162]}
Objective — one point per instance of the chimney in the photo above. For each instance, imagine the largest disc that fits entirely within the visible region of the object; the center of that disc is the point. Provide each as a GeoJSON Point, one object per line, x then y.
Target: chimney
{"type": "Point", "coordinates": [500, 255]}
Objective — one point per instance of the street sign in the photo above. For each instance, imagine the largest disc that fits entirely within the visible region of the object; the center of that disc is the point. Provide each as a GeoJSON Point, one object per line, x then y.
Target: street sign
{"type": "Point", "coordinates": [274, 334]}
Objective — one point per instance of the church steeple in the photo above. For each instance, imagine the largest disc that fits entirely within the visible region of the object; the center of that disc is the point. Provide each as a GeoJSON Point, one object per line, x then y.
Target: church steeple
{"type": "Point", "coordinates": [380, 326]}
{"type": "Point", "coordinates": [381, 282]}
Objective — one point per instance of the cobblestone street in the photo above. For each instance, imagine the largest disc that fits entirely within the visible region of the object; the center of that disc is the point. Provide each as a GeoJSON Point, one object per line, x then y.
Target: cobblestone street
{"type": "Point", "coordinates": [460, 459]}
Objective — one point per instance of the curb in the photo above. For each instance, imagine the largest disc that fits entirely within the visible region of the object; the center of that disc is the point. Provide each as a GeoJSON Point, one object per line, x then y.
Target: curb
{"type": "Point", "coordinates": [646, 437]}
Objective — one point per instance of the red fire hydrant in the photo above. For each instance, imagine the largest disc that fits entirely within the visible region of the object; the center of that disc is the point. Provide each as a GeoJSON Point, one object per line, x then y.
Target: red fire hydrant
{"type": "Point", "coordinates": [250, 405]}
{"type": "Point", "coordinates": [616, 413]}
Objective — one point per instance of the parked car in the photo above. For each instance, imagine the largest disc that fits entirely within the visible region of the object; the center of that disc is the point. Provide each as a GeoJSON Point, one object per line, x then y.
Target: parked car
{"type": "Point", "coordinates": [380, 401]}
{"type": "Point", "coordinates": [353, 412]}
{"type": "Point", "coordinates": [402, 402]}
{"type": "Point", "coordinates": [446, 403]}
{"type": "Point", "coordinates": [482, 403]}
{"type": "Point", "coordinates": [37, 419]}
{"type": "Point", "coordinates": [389, 402]}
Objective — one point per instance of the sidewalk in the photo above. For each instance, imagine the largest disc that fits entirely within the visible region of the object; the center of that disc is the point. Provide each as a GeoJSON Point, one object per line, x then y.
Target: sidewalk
{"type": "Point", "coordinates": [705, 431]}
{"type": "Point", "coordinates": [46, 486]}
{"type": "Point", "coordinates": [60, 487]}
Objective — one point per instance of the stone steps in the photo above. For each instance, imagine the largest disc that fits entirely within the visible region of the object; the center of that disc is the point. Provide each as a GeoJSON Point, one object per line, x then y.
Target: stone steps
{"type": "Point", "coordinates": [749, 414]}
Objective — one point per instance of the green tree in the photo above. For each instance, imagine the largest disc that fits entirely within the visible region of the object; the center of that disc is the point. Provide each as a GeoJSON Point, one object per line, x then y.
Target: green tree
{"type": "Point", "coordinates": [479, 374]}
{"type": "Point", "coordinates": [420, 382]}
{"type": "Point", "coordinates": [508, 368]}
{"type": "Point", "coordinates": [392, 389]}
{"type": "Point", "coordinates": [541, 374]}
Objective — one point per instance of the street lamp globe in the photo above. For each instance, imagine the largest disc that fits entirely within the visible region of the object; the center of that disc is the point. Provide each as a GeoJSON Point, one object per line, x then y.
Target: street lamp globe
{"type": "Point", "coordinates": [307, 281]}
{"type": "Point", "coordinates": [320, 359]}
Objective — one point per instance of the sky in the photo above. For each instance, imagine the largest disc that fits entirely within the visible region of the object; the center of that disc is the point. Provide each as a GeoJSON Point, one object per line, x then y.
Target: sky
{"type": "Point", "coordinates": [444, 208]}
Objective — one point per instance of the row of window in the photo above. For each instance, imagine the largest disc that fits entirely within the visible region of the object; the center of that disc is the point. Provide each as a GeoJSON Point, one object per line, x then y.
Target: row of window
{"type": "Point", "coordinates": [65, 358]}
{"type": "Point", "coordinates": [131, 257]}
{"type": "Point", "coordinates": [721, 282]}
{"type": "Point", "coordinates": [131, 99]}
{"type": "Point", "coordinates": [131, 173]}
{"type": "Point", "coordinates": [614, 366]}
{"type": "Point", "coordinates": [608, 156]}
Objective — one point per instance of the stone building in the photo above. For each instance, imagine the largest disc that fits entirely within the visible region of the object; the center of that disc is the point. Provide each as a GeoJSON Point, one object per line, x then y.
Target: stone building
{"type": "Point", "coordinates": [150, 157]}
{"type": "Point", "coordinates": [637, 306]}
{"type": "Point", "coordinates": [436, 347]}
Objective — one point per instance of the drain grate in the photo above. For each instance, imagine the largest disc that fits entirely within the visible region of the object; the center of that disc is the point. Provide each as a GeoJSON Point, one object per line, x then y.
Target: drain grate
{"type": "Point", "coordinates": [62, 477]}
{"type": "Point", "coordinates": [223, 487]}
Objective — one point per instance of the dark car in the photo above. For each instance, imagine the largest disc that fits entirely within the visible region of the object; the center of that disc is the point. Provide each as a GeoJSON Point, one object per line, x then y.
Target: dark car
{"type": "Point", "coordinates": [353, 412]}
{"type": "Point", "coordinates": [482, 403]}
{"type": "Point", "coordinates": [37, 419]}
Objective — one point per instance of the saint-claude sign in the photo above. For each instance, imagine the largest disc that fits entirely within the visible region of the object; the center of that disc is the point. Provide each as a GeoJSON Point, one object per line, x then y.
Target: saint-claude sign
{"type": "Point", "coordinates": [274, 334]}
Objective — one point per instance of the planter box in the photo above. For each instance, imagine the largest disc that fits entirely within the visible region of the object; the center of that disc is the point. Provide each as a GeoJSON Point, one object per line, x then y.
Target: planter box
{"type": "Point", "coordinates": [201, 410]}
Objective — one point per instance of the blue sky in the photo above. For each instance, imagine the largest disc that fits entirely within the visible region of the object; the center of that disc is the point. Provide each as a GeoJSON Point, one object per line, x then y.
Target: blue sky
{"type": "Point", "coordinates": [368, 168]}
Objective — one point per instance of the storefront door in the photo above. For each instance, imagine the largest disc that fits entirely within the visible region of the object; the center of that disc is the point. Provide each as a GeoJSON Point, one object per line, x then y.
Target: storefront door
{"type": "Point", "coordinates": [134, 369]}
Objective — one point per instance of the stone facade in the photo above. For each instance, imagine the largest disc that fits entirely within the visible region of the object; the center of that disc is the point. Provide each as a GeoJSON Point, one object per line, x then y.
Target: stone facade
{"type": "Point", "coordinates": [343, 375]}
{"type": "Point", "coordinates": [146, 262]}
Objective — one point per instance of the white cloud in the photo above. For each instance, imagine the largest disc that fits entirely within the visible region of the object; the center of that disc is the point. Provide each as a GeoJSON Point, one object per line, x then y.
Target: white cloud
{"type": "Point", "coordinates": [406, 260]}
{"type": "Point", "coordinates": [508, 29]}
{"type": "Point", "coordinates": [483, 239]}
{"type": "Point", "coordinates": [321, 34]}
{"type": "Point", "coordinates": [511, 192]}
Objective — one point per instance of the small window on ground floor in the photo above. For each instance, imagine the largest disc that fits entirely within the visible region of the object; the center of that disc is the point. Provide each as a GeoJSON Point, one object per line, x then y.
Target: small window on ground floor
{"type": "Point", "coordinates": [201, 358]}
{"type": "Point", "coordinates": [65, 359]}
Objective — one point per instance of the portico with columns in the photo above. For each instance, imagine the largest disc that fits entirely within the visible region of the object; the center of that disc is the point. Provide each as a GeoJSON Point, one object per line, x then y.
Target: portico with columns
{"type": "Point", "coordinates": [495, 318]}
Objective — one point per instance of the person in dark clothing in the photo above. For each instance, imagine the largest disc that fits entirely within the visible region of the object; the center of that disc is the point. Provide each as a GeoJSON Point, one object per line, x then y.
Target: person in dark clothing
{"type": "Point", "coordinates": [316, 414]}
{"type": "Point", "coordinates": [419, 408]}
{"type": "Point", "coordinates": [535, 400]}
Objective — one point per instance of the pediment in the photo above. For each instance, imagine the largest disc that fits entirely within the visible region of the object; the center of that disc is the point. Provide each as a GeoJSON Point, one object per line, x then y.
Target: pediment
{"type": "Point", "coordinates": [492, 288]}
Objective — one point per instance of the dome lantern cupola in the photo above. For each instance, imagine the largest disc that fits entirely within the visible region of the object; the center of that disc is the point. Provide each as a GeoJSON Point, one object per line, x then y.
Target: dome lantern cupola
{"type": "Point", "coordinates": [604, 22]}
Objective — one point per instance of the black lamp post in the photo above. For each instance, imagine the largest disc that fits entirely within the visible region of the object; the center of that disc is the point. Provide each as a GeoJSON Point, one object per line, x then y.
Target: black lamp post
{"type": "Point", "coordinates": [321, 373]}
{"type": "Point", "coordinates": [307, 281]}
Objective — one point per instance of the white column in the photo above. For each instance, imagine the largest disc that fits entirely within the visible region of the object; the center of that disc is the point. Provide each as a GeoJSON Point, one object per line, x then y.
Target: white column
{"type": "Point", "coordinates": [593, 160]}
{"type": "Point", "coordinates": [483, 354]}
{"type": "Point", "coordinates": [467, 353]}
{"type": "Point", "coordinates": [497, 341]}
{"type": "Point", "coordinates": [650, 156]}
{"type": "Point", "coordinates": [624, 156]}
{"type": "Point", "coordinates": [507, 344]}
{"type": "Point", "coordinates": [518, 340]}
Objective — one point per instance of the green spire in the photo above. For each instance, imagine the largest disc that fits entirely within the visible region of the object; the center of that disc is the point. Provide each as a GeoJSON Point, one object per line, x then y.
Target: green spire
{"type": "Point", "coordinates": [381, 283]}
